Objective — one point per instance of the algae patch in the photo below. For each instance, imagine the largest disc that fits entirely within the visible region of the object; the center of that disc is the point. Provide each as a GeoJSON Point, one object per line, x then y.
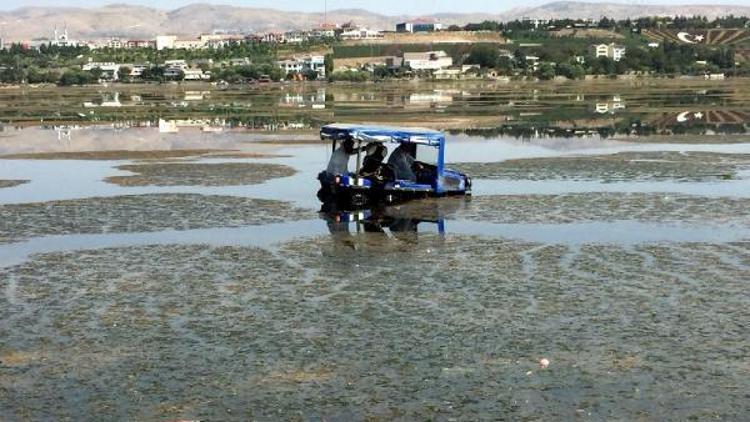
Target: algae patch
{"type": "Point", "coordinates": [579, 207]}
{"type": "Point", "coordinates": [438, 329]}
{"type": "Point", "coordinates": [141, 213]}
{"type": "Point", "coordinates": [4, 183]}
{"type": "Point", "coordinates": [200, 174]}
{"type": "Point", "coordinates": [624, 166]}
{"type": "Point", "coordinates": [603, 206]}
{"type": "Point", "coordinates": [136, 154]}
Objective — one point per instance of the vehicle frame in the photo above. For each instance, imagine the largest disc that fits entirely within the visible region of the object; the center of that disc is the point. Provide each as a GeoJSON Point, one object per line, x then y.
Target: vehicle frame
{"type": "Point", "coordinates": [353, 189]}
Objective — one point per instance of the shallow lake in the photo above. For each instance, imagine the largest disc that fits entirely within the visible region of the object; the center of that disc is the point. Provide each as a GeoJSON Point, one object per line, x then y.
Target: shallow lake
{"type": "Point", "coordinates": [177, 265]}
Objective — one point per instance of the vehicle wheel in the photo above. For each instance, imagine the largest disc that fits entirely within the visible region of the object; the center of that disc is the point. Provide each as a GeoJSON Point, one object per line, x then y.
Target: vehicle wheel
{"type": "Point", "coordinates": [358, 199]}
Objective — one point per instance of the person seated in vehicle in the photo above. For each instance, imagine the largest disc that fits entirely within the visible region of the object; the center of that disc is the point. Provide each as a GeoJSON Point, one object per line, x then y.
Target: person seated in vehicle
{"type": "Point", "coordinates": [339, 163]}
{"type": "Point", "coordinates": [402, 162]}
{"type": "Point", "coordinates": [372, 165]}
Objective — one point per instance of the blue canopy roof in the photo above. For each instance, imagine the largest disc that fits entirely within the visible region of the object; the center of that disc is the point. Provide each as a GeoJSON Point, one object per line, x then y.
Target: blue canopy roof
{"type": "Point", "coordinates": [383, 134]}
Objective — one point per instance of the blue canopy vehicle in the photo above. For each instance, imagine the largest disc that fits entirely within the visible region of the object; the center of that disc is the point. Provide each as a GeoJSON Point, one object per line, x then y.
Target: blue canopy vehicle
{"type": "Point", "coordinates": [415, 167]}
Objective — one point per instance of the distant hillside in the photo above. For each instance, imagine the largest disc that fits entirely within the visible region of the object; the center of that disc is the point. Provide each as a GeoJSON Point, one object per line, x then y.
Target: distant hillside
{"type": "Point", "coordinates": [574, 9]}
{"type": "Point", "coordinates": [145, 22]}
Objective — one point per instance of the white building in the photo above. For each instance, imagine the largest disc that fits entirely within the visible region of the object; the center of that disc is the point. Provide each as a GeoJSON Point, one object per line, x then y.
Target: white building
{"type": "Point", "coordinates": [110, 70]}
{"type": "Point", "coordinates": [190, 44]}
{"type": "Point", "coordinates": [165, 42]}
{"type": "Point", "coordinates": [196, 75]}
{"type": "Point", "coordinates": [323, 32]}
{"type": "Point", "coordinates": [62, 40]}
{"type": "Point", "coordinates": [290, 66]}
{"type": "Point", "coordinates": [316, 63]}
{"type": "Point", "coordinates": [533, 62]}
{"type": "Point", "coordinates": [136, 70]}
{"type": "Point", "coordinates": [361, 34]}
{"type": "Point", "coordinates": [217, 40]}
{"type": "Point", "coordinates": [430, 60]}
{"type": "Point", "coordinates": [298, 65]}
{"type": "Point", "coordinates": [273, 37]}
{"type": "Point", "coordinates": [419, 25]}
{"type": "Point", "coordinates": [177, 68]}
{"type": "Point", "coordinates": [612, 50]}
{"type": "Point", "coordinates": [115, 43]}
{"type": "Point", "coordinates": [295, 37]}
{"type": "Point", "coordinates": [176, 64]}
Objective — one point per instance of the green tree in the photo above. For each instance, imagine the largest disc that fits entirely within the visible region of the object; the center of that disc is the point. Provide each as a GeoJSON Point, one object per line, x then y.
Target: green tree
{"type": "Point", "coordinates": [309, 74]}
{"type": "Point", "coordinates": [381, 72]}
{"type": "Point", "coordinates": [37, 76]}
{"type": "Point", "coordinates": [96, 73]}
{"type": "Point", "coordinates": [178, 76]}
{"type": "Point", "coordinates": [328, 63]}
{"type": "Point", "coordinates": [484, 55]}
{"type": "Point", "coordinates": [505, 65]}
{"type": "Point", "coordinates": [154, 73]}
{"type": "Point", "coordinates": [545, 72]}
{"type": "Point", "coordinates": [519, 60]}
{"type": "Point", "coordinates": [76, 77]}
{"type": "Point", "coordinates": [571, 71]}
{"type": "Point", "coordinates": [124, 74]}
{"type": "Point", "coordinates": [603, 66]}
{"type": "Point", "coordinates": [349, 75]}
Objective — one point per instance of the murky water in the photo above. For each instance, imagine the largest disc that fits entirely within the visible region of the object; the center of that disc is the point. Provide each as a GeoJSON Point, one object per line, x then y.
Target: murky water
{"type": "Point", "coordinates": [196, 278]}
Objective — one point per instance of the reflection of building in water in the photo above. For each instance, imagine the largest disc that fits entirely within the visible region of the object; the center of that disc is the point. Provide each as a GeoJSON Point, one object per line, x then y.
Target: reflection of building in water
{"type": "Point", "coordinates": [315, 101]}
{"type": "Point", "coordinates": [610, 107]}
{"type": "Point", "coordinates": [119, 126]}
{"type": "Point", "coordinates": [196, 95]}
{"type": "Point", "coordinates": [108, 99]}
{"type": "Point", "coordinates": [168, 126]}
{"type": "Point", "coordinates": [205, 125]}
{"type": "Point", "coordinates": [435, 97]}
{"type": "Point", "coordinates": [355, 96]}
{"type": "Point", "coordinates": [65, 132]}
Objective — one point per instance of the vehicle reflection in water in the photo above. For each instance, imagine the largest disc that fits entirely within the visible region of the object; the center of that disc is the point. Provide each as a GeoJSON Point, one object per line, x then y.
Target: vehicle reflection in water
{"type": "Point", "coordinates": [403, 222]}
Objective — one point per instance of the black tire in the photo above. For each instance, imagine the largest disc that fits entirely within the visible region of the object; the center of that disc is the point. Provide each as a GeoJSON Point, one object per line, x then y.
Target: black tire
{"type": "Point", "coordinates": [358, 199]}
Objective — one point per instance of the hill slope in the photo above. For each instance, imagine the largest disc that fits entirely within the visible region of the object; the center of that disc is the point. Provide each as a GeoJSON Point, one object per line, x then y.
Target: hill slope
{"type": "Point", "coordinates": [575, 9]}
